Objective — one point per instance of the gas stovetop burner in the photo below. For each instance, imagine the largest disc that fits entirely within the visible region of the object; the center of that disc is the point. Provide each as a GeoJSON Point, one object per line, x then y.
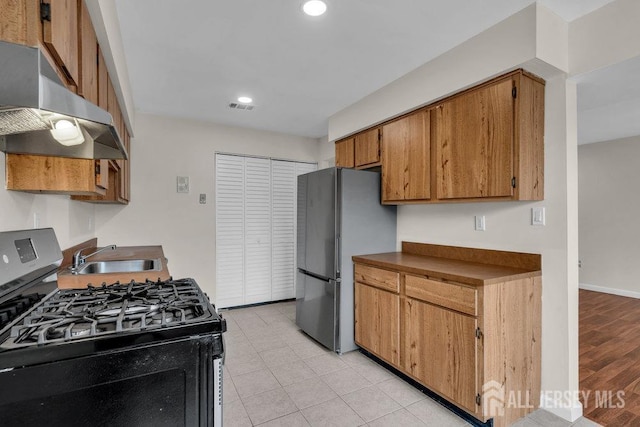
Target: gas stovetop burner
{"type": "Point", "coordinates": [76, 314]}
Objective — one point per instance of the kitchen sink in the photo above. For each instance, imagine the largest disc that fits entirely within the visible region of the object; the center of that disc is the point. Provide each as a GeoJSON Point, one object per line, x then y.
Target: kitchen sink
{"type": "Point", "coordinates": [120, 266]}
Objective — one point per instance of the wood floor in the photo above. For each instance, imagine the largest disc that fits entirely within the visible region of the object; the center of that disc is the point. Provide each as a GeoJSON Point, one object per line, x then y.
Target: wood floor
{"type": "Point", "coordinates": [610, 358]}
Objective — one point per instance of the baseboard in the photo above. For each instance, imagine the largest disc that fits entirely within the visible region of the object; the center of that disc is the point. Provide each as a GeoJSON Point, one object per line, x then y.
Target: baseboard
{"type": "Point", "coordinates": [564, 409]}
{"type": "Point", "coordinates": [613, 291]}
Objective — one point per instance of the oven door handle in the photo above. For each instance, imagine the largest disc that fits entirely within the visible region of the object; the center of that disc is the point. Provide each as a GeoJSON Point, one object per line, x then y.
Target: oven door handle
{"type": "Point", "coordinates": [224, 350]}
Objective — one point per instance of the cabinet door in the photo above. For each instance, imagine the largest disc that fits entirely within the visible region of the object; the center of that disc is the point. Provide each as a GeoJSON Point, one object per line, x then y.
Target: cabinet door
{"type": "Point", "coordinates": [474, 143]}
{"type": "Point", "coordinates": [60, 35]}
{"type": "Point", "coordinates": [377, 318]}
{"type": "Point", "coordinates": [406, 159]}
{"type": "Point", "coordinates": [367, 147]}
{"type": "Point", "coordinates": [345, 153]}
{"type": "Point", "coordinates": [441, 351]}
{"type": "Point", "coordinates": [103, 82]}
{"type": "Point", "coordinates": [88, 57]}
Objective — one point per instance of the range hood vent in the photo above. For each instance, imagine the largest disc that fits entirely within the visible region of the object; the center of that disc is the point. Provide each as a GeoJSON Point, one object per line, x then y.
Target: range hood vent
{"type": "Point", "coordinates": [33, 100]}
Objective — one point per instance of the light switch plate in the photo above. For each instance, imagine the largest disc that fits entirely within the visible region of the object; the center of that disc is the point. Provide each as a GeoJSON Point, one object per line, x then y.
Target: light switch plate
{"type": "Point", "coordinates": [480, 223]}
{"type": "Point", "coordinates": [182, 184]}
{"type": "Point", "coordinates": [538, 216]}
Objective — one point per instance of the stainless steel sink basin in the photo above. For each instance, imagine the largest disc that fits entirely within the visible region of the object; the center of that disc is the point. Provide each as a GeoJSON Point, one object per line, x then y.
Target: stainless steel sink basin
{"type": "Point", "coordinates": [120, 266]}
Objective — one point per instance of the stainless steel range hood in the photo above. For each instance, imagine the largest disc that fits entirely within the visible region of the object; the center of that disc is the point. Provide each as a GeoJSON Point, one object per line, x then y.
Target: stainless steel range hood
{"type": "Point", "coordinates": [33, 102]}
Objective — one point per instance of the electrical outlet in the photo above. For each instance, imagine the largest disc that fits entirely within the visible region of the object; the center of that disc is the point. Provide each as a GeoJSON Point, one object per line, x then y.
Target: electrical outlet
{"type": "Point", "coordinates": [480, 223]}
{"type": "Point", "coordinates": [203, 199]}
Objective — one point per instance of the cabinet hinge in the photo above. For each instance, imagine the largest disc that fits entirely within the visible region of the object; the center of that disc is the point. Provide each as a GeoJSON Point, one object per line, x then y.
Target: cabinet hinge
{"type": "Point", "coordinates": [478, 333]}
{"type": "Point", "coordinates": [478, 399]}
{"type": "Point", "coordinates": [513, 182]}
{"type": "Point", "coordinates": [514, 92]}
{"type": "Point", "coordinates": [45, 12]}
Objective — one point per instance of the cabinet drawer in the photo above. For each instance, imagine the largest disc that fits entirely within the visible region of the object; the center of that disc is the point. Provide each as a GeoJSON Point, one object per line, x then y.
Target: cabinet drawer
{"type": "Point", "coordinates": [450, 295]}
{"type": "Point", "coordinates": [383, 279]}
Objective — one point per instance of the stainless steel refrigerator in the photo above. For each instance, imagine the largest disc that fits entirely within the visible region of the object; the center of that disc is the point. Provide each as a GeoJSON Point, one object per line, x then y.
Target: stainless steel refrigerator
{"type": "Point", "coordinates": [339, 215]}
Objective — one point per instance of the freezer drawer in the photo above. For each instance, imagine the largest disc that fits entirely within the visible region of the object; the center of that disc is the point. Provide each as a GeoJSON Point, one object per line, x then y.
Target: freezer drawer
{"type": "Point", "coordinates": [316, 308]}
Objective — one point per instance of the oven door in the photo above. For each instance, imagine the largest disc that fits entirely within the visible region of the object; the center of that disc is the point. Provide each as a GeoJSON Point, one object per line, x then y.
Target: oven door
{"type": "Point", "coordinates": [164, 384]}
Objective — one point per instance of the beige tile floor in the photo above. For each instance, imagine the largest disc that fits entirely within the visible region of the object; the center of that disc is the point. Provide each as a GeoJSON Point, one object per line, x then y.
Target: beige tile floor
{"type": "Point", "coordinates": [275, 375]}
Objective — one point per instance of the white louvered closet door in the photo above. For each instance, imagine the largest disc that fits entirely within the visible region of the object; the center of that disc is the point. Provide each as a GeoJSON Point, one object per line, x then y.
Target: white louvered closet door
{"type": "Point", "coordinates": [229, 230]}
{"type": "Point", "coordinates": [283, 178]}
{"type": "Point", "coordinates": [257, 237]}
{"type": "Point", "coordinates": [255, 229]}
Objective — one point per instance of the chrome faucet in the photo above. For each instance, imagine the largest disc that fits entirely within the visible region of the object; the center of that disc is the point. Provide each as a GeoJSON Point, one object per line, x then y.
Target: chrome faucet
{"type": "Point", "coordinates": [79, 259]}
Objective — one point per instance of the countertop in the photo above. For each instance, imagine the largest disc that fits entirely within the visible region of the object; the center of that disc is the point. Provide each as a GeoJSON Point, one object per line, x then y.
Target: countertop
{"type": "Point", "coordinates": [66, 280]}
{"type": "Point", "coordinates": [458, 270]}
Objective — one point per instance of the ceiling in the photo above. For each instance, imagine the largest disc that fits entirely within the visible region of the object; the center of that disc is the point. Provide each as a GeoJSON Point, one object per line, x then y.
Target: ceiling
{"type": "Point", "coordinates": [192, 58]}
{"type": "Point", "coordinates": [609, 102]}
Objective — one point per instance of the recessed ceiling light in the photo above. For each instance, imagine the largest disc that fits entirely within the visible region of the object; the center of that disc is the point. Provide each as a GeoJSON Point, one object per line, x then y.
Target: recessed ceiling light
{"type": "Point", "coordinates": [314, 7]}
{"type": "Point", "coordinates": [244, 99]}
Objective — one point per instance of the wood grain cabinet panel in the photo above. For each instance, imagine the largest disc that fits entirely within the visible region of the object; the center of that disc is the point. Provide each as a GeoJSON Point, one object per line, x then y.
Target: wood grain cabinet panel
{"type": "Point", "coordinates": [450, 295]}
{"type": "Point", "coordinates": [367, 148]}
{"type": "Point", "coordinates": [377, 277]}
{"type": "Point", "coordinates": [406, 158]}
{"type": "Point", "coordinates": [345, 153]}
{"type": "Point", "coordinates": [61, 175]}
{"type": "Point", "coordinates": [88, 56]}
{"type": "Point", "coordinates": [441, 351]}
{"type": "Point", "coordinates": [60, 35]}
{"type": "Point", "coordinates": [474, 143]}
{"type": "Point", "coordinates": [20, 21]}
{"type": "Point", "coordinates": [377, 322]}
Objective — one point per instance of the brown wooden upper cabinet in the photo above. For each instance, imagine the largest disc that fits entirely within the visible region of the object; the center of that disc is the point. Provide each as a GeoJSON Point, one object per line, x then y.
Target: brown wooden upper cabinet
{"type": "Point", "coordinates": [60, 35]}
{"type": "Point", "coordinates": [345, 157]}
{"type": "Point", "coordinates": [489, 141]}
{"type": "Point", "coordinates": [367, 148]}
{"type": "Point", "coordinates": [406, 160]}
{"type": "Point", "coordinates": [485, 143]}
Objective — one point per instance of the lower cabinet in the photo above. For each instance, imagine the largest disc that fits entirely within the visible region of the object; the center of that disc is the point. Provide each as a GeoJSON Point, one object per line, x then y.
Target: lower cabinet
{"type": "Point", "coordinates": [476, 345]}
{"type": "Point", "coordinates": [377, 322]}
{"type": "Point", "coordinates": [440, 349]}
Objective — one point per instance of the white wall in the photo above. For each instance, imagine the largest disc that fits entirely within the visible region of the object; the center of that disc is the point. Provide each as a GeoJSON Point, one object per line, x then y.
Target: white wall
{"type": "Point", "coordinates": [157, 215]}
{"type": "Point", "coordinates": [609, 206]}
{"type": "Point", "coordinates": [508, 45]}
{"type": "Point", "coordinates": [73, 221]}
{"type": "Point", "coordinates": [606, 36]}
{"type": "Point", "coordinates": [326, 153]}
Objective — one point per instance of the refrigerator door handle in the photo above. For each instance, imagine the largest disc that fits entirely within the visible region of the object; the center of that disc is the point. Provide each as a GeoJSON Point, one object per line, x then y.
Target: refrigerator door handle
{"type": "Point", "coordinates": [338, 258]}
{"type": "Point", "coordinates": [314, 275]}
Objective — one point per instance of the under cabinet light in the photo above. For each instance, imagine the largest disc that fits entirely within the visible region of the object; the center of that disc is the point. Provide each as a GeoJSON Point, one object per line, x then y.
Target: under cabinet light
{"type": "Point", "coordinates": [66, 132]}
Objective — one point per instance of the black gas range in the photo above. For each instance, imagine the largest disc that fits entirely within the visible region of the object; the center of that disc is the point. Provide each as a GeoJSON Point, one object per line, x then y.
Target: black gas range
{"type": "Point", "coordinates": [125, 354]}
